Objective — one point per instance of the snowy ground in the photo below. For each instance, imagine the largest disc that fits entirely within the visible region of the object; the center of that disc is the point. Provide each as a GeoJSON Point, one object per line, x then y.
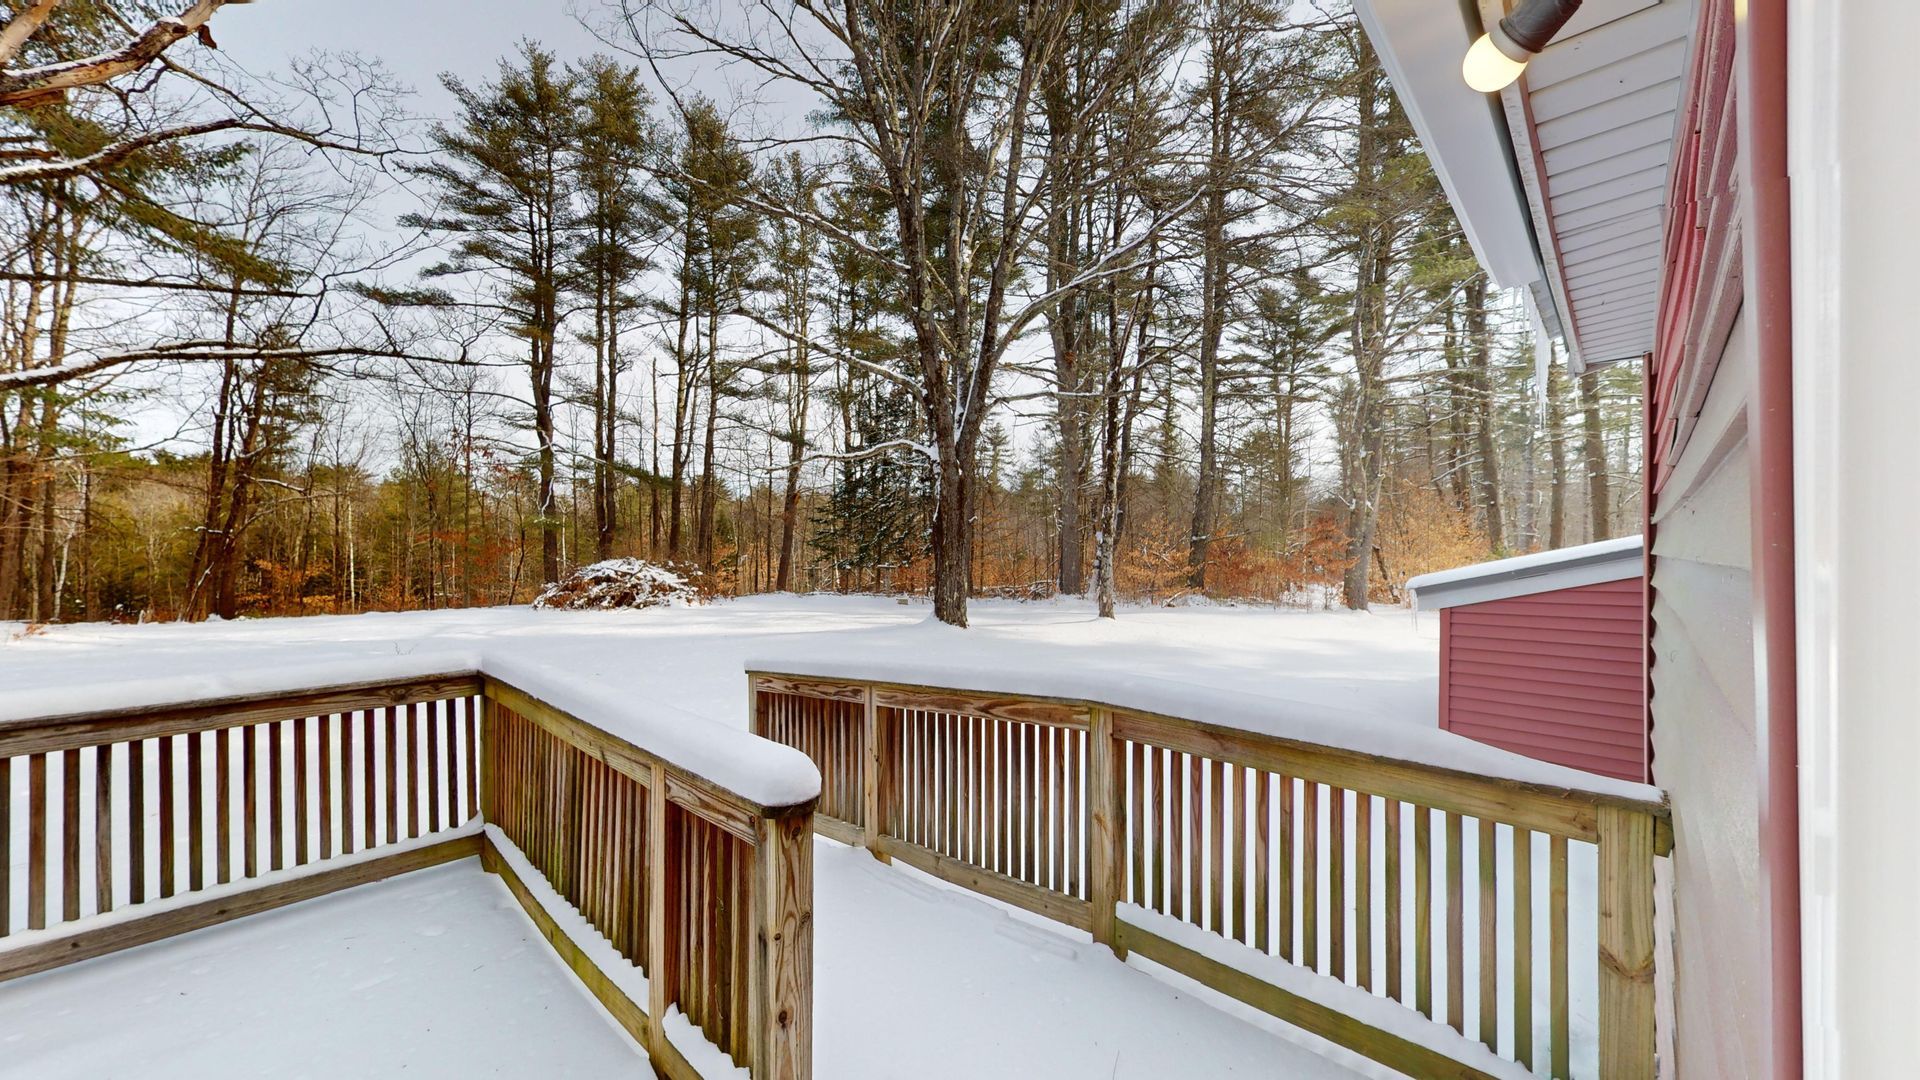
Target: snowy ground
{"type": "Point", "coordinates": [1366, 681]}
{"type": "Point", "coordinates": [437, 973]}
{"type": "Point", "coordinates": [1380, 664]}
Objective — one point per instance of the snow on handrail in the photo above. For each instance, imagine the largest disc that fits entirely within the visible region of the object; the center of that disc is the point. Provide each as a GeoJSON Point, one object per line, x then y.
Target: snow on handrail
{"type": "Point", "coordinates": [1317, 724]}
{"type": "Point", "coordinates": [758, 771]}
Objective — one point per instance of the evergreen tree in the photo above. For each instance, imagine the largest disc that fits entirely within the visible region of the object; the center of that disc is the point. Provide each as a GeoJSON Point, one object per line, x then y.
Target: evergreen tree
{"type": "Point", "coordinates": [615, 141]}
{"type": "Point", "coordinates": [504, 175]}
{"type": "Point", "coordinates": [876, 515]}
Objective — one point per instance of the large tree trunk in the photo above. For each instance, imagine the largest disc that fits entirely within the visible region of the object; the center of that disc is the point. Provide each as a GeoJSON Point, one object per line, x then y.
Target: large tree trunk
{"type": "Point", "coordinates": [1364, 467]}
{"type": "Point", "coordinates": [1212, 326]}
{"type": "Point", "coordinates": [1073, 455]}
{"type": "Point", "coordinates": [1599, 480]}
{"type": "Point", "coordinates": [681, 450]}
{"type": "Point", "coordinates": [1480, 347]}
{"type": "Point", "coordinates": [952, 540]}
{"type": "Point", "coordinates": [796, 453]}
{"type": "Point", "coordinates": [709, 491]}
{"type": "Point", "coordinates": [543, 432]}
{"type": "Point", "coordinates": [1557, 449]}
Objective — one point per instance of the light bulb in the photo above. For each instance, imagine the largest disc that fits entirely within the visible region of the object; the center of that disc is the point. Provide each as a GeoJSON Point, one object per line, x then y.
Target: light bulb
{"type": "Point", "coordinates": [1489, 70]}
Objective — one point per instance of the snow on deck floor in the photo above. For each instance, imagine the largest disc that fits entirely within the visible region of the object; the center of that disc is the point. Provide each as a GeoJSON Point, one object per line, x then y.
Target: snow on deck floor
{"type": "Point", "coordinates": [913, 978]}
{"type": "Point", "coordinates": [436, 973]}
{"type": "Point", "coordinates": [439, 973]}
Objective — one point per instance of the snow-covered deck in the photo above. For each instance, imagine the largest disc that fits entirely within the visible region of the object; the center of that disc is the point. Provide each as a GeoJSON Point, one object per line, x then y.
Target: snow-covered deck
{"type": "Point", "coordinates": [435, 973]}
{"type": "Point", "coordinates": [440, 973]}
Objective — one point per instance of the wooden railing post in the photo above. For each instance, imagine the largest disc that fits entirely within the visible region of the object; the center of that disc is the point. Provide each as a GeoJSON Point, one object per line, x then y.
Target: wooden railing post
{"type": "Point", "coordinates": [1626, 943]}
{"type": "Point", "coordinates": [875, 798]}
{"type": "Point", "coordinates": [1103, 832]}
{"type": "Point", "coordinates": [781, 973]}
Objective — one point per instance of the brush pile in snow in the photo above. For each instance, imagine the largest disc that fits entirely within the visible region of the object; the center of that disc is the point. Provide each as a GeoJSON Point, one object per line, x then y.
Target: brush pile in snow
{"type": "Point", "coordinates": [618, 583]}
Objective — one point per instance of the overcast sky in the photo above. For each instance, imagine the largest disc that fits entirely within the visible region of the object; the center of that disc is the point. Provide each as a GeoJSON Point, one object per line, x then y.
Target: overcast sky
{"type": "Point", "coordinates": [418, 39]}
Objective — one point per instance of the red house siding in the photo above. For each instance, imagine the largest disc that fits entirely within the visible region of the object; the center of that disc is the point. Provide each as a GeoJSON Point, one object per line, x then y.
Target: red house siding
{"type": "Point", "coordinates": [1559, 676]}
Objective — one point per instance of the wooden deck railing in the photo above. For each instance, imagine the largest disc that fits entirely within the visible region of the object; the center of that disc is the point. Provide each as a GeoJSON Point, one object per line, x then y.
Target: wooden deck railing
{"type": "Point", "coordinates": [709, 892]}
{"type": "Point", "coordinates": [178, 817]}
{"type": "Point", "coordinates": [1143, 829]}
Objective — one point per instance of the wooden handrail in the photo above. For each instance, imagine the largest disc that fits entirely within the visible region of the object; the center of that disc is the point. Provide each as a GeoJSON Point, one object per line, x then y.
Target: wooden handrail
{"type": "Point", "coordinates": [1073, 808]}
{"type": "Point", "coordinates": [709, 891]}
{"type": "Point", "coordinates": [324, 788]}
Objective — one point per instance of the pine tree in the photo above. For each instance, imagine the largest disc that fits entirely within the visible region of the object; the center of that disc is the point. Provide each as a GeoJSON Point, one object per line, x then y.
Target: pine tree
{"type": "Point", "coordinates": [504, 175]}
{"type": "Point", "coordinates": [615, 141]}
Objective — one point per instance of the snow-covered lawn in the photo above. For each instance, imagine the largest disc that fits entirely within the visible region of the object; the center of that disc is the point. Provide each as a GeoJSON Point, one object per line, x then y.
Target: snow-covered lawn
{"type": "Point", "coordinates": [1366, 681]}
{"type": "Point", "coordinates": [1380, 664]}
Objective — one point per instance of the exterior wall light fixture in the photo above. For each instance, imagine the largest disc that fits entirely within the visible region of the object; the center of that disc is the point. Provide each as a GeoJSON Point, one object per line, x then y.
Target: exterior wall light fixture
{"type": "Point", "coordinates": [1501, 54]}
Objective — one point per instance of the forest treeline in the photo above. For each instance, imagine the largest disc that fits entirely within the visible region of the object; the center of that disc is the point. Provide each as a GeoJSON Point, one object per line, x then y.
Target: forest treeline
{"type": "Point", "coordinates": [1140, 299]}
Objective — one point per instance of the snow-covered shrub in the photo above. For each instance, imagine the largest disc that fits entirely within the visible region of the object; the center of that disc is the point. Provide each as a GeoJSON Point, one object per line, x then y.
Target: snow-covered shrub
{"type": "Point", "coordinates": [618, 583]}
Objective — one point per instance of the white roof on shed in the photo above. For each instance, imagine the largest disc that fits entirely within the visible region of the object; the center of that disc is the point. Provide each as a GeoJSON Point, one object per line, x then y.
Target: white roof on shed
{"type": "Point", "coordinates": [1524, 575]}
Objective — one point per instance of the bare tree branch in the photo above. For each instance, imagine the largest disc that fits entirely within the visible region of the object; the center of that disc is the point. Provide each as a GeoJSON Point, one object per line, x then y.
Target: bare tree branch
{"type": "Point", "coordinates": [25, 87]}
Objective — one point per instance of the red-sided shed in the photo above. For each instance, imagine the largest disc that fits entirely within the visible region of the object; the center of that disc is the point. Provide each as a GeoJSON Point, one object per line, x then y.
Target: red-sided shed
{"type": "Point", "coordinates": [1545, 655]}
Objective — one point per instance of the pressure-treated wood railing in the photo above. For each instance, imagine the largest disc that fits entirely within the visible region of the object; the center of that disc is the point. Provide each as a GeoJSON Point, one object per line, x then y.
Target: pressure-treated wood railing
{"type": "Point", "coordinates": [1393, 881]}
{"type": "Point", "coordinates": [708, 891]}
{"type": "Point", "coordinates": [177, 817]}
{"type": "Point", "coordinates": [117, 810]}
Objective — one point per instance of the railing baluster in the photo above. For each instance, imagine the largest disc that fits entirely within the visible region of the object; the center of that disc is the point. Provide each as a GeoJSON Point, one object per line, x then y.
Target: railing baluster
{"type": "Point", "coordinates": [1456, 930]}
{"type": "Point", "coordinates": [348, 722]}
{"type": "Point", "coordinates": [196, 812]}
{"type": "Point", "coordinates": [1137, 819]}
{"type": "Point", "coordinates": [1557, 936]}
{"type": "Point", "coordinates": [223, 804]}
{"type": "Point", "coordinates": [70, 834]}
{"type": "Point", "coordinates": [1394, 809]}
{"type": "Point", "coordinates": [102, 828]}
{"type": "Point", "coordinates": [1423, 910]}
{"type": "Point", "coordinates": [392, 763]}
{"type": "Point", "coordinates": [302, 765]}
{"type": "Point", "coordinates": [1287, 875]}
{"type": "Point", "coordinates": [1262, 858]}
{"type": "Point", "coordinates": [413, 741]}
{"type": "Point", "coordinates": [1030, 791]}
{"type": "Point", "coordinates": [137, 821]}
{"type": "Point", "coordinates": [164, 784]}
{"type": "Point", "coordinates": [1363, 889]}
{"type": "Point", "coordinates": [1310, 874]}
{"type": "Point", "coordinates": [1523, 946]}
{"type": "Point", "coordinates": [1196, 840]}
{"type": "Point", "coordinates": [1162, 808]}
{"type": "Point", "coordinates": [1337, 882]}
{"type": "Point", "coordinates": [1216, 846]}
{"type": "Point", "coordinates": [1488, 895]}
{"type": "Point", "coordinates": [470, 709]}
{"type": "Point", "coordinates": [6, 846]}
{"type": "Point", "coordinates": [1237, 819]}
{"type": "Point", "coordinates": [435, 718]}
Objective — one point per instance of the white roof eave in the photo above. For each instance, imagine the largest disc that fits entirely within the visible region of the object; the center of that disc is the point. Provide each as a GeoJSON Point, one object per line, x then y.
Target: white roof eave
{"type": "Point", "coordinates": [1421, 44]}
